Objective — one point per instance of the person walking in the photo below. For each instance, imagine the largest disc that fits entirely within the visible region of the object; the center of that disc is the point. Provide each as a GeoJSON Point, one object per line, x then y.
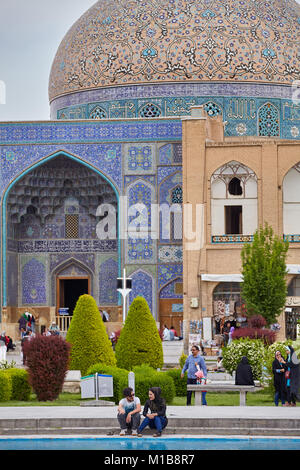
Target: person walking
{"type": "Point", "coordinates": [154, 412]}
{"type": "Point", "coordinates": [193, 362]}
{"type": "Point", "coordinates": [244, 374]}
{"type": "Point", "coordinates": [292, 376]}
{"type": "Point", "coordinates": [278, 368]}
{"type": "Point", "coordinates": [129, 412]}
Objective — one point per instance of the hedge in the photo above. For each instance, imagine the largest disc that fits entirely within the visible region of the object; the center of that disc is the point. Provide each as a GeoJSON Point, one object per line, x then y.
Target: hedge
{"type": "Point", "coordinates": [21, 389]}
{"type": "Point", "coordinates": [5, 386]}
{"type": "Point", "coordinates": [180, 383]}
{"type": "Point", "coordinates": [145, 378]}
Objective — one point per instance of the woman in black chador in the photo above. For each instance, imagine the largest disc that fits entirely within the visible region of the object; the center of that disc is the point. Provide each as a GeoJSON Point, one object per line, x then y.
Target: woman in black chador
{"type": "Point", "coordinates": [279, 368]}
{"type": "Point", "coordinates": [244, 374]}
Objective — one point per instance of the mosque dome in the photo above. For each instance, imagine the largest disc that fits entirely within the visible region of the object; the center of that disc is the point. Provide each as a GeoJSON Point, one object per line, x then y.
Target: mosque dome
{"type": "Point", "coordinates": [118, 42]}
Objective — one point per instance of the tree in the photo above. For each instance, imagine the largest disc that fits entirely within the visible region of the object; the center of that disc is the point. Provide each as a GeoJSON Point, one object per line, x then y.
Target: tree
{"type": "Point", "coordinates": [139, 341]}
{"type": "Point", "coordinates": [88, 338]}
{"type": "Point", "coordinates": [264, 288]}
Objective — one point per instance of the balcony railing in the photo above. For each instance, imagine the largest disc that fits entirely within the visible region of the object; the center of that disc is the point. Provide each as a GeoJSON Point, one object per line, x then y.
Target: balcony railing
{"type": "Point", "coordinates": [218, 239]}
{"type": "Point", "coordinates": [63, 322]}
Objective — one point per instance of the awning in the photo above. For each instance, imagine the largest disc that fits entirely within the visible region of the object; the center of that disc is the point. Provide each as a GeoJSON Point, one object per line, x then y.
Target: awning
{"type": "Point", "coordinates": [291, 268]}
{"type": "Point", "coordinates": [222, 277]}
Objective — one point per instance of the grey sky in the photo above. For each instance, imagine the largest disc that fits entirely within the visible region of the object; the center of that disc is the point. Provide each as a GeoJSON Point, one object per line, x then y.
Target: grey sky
{"type": "Point", "coordinates": [30, 33]}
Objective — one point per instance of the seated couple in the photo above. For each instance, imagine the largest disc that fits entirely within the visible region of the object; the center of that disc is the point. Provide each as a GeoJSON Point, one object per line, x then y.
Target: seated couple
{"type": "Point", "coordinates": [154, 413]}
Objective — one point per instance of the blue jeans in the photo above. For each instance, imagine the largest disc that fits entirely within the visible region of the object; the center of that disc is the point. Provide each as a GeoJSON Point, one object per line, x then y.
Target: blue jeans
{"type": "Point", "coordinates": [189, 394]}
{"type": "Point", "coordinates": [277, 398]}
{"type": "Point", "coordinates": [158, 423]}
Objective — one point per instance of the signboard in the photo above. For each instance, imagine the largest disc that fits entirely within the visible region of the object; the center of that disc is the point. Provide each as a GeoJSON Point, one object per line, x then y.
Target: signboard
{"type": "Point", "coordinates": [292, 301]}
{"type": "Point", "coordinates": [105, 386]}
{"type": "Point", "coordinates": [88, 389]}
{"type": "Point", "coordinates": [194, 339]}
{"type": "Point", "coordinates": [96, 386]}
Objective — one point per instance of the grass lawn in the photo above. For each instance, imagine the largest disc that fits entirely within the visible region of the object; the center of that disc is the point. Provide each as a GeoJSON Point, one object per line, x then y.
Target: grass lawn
{"type": "Point", "coordinates": [213, 399]}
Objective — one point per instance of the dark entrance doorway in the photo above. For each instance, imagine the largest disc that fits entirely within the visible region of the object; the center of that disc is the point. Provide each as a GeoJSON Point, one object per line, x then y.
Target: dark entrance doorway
{"type": "Point", "coordinates": [70, 289]}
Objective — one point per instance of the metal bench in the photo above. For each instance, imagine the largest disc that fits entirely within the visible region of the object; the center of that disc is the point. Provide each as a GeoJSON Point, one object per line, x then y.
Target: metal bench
{"type": "Point", "coordinates": [222, 387]}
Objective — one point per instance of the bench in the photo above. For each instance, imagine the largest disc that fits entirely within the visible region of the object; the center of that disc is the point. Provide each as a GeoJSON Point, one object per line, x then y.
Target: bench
{"type": "Point", "coordinates": [222, 387]}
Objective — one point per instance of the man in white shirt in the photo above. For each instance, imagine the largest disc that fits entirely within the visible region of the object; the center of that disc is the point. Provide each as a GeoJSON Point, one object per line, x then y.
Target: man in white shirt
{"type": "Point", "coordinates": [129, 412]}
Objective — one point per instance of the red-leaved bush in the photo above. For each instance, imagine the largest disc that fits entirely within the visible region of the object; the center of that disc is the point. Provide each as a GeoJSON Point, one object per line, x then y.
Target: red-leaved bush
{"type": "Point", "coordinates": [267, 336]}
{"type": "Point", "coordinates": [47, 359]}
{"type": "Point", "coordinates": [257, 321]}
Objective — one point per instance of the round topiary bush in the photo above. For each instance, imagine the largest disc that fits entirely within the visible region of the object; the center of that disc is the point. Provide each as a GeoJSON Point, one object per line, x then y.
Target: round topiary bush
{"type": "Point", "coordinates": [47, 360]}
{"type": "Point", "coordinates": [87, 335]}
{"type": "Point", "coordinates": [139, 341]}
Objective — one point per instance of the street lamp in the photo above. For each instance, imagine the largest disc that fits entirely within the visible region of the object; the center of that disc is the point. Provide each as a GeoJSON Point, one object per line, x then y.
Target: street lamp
{"type": "Point", "coordinates": [124, 286]}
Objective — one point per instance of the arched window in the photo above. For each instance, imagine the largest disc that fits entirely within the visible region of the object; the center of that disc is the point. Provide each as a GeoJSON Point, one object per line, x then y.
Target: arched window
{"type": "Point", "coordinates": [268, 121]}
{"type": "Point", "coordinates": [291, 204]}
{"type": "Point", "coordinates": [98, 113]}
{"type": "Point", "coordinates": [150, 111]}
{"type": "Point", "coordinates": [233, 202]}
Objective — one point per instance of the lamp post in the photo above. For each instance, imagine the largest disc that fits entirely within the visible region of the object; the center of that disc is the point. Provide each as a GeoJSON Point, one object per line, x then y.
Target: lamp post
{"type": "Point", "coordinates": [124, 287]}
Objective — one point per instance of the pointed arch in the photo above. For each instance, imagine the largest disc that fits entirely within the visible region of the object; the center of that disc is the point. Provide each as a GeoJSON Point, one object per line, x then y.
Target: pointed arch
{"type": "Point", "coordinates": [17, 179]}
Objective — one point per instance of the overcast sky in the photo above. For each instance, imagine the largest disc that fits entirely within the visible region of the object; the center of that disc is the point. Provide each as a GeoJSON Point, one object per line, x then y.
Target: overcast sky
{"type": "Point", "coordinates": [30, 33]}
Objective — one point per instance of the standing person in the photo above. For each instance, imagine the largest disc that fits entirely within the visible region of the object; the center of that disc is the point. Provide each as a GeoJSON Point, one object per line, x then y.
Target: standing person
{"type": "Point", "coordinates": [154, 412]}
{"type": "Point", "coordinates": [2, 347]}
{"type": "Point", "coordinates": [129, 412]}
{"type": "Point", "coordinates": [244, 374]}
{"type": "Point", "coordinates": [230, 335]}
{"type": "Point", "coordinates": [195, 359]}
{"type": "Point", "coordinates": [22, 325]}
{"type": "Point", "coordinates": [278, 369]}
{"type": "Point", "coordinates": [292, 376]}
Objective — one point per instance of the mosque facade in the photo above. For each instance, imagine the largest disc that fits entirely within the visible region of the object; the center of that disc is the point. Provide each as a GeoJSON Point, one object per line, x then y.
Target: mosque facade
{"type": "Point", "coordinates": [126, 83]}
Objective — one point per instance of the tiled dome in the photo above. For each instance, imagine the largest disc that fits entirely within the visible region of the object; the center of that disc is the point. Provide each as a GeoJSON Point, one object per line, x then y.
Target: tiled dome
{"type": "Point", "coordinates": [118, 42]}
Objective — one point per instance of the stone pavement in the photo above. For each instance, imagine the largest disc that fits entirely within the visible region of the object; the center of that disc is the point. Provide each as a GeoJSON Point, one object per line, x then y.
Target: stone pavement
{"type": "Point", "coordinates": [193, 420]}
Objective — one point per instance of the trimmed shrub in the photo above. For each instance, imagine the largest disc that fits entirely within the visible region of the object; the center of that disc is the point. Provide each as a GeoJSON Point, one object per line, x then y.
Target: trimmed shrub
{"type": "Point", "coordinates": [120, 379]}
{"type": "Point", "coordinates": [47, 359]}
{"type": "Point", "coordinates": [252, 348]}
{"type": "Point", "coordinates": [267, 336]}
{"type": "Point", "coordinates": [21, 388]}
{"type": "Point", "coordinates": [88, 338]}
{"type": "Point", "coordinates": [5, 386]}
{"type": "Point", "coordinates": [182, 360]}
{"type": "Point", "coordinates": [139, 342]}
{"type": "Point", "coordinates": [180, 384]}
{"type": "Point", "coordinates": [257, 321]}
{"type": "Point", "coordinates": [147, 377]}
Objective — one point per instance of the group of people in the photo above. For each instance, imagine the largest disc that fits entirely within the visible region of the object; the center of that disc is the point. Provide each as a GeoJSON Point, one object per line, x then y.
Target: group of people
{"type": "Point", "coordinates": [154, 412]}
{"type": "Point", "coordinates": [170, 334]}
{"type": "Point", "coordinates": [286, 377]}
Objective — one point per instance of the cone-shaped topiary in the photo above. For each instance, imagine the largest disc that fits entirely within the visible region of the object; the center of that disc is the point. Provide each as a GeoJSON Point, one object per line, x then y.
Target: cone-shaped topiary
{"type": "Point", "coordinates": [88, 338]}
{"type": "Point", "coordinates": [139, 342]}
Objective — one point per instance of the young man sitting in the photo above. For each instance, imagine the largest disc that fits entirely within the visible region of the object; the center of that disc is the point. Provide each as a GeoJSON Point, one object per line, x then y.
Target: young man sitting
{"type": "Point", "coordinates": [129, 412]}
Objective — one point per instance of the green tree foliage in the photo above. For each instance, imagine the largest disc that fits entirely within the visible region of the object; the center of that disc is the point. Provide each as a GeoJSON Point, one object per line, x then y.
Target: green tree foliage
{"type": "Point", "coordinates": [139, 341]}
{"type": "Point", "coordinates": [88, 338]}
{"type": "Point", "coordinates": [264, 288]}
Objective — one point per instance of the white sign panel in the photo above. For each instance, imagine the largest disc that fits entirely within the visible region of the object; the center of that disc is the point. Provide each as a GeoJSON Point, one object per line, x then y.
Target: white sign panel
{"type": "Point", "coordinates": [105, 386]}
{"type": "Point", "coordinates": [88, 387]}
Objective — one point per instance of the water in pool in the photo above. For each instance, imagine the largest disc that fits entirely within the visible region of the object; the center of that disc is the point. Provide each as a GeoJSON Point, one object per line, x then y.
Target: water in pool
{"type": "Point", "coordinates": [180, 444]}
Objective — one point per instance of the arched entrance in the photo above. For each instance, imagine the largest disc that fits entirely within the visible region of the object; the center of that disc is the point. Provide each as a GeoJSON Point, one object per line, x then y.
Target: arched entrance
{"type": "Point", "coordinates": [171, 305]}
{"type": "Point", "coordinates": [50, 215]}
